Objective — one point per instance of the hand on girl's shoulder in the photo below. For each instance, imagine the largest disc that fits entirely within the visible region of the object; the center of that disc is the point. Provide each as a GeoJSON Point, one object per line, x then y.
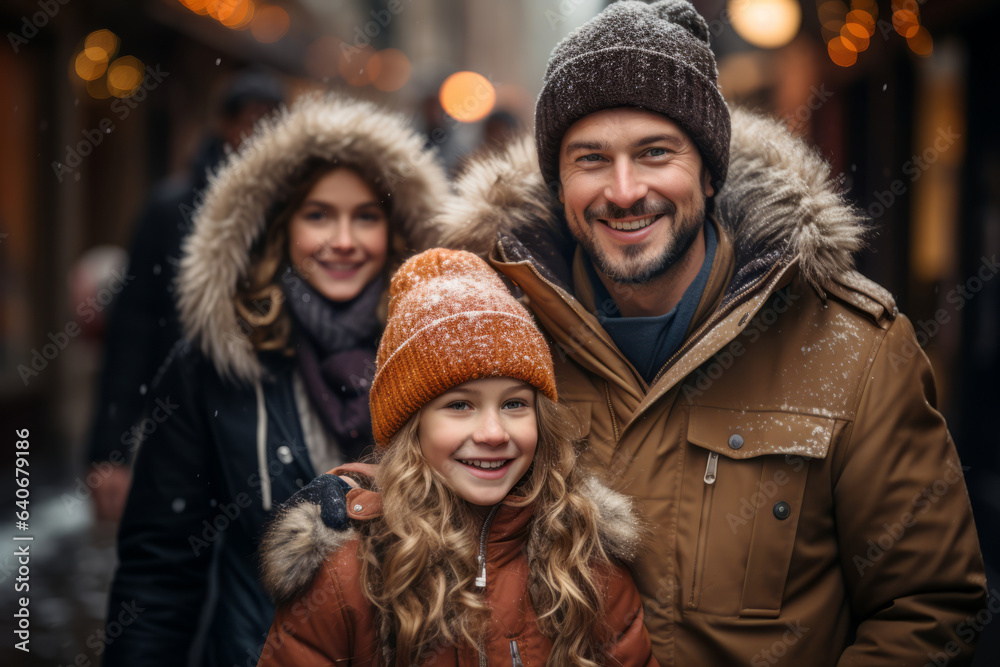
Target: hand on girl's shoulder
{"type": "Point", "coordinates": [306, 529]}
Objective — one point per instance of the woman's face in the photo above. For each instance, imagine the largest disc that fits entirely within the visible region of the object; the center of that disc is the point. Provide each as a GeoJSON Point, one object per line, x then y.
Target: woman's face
{"type": "Point", "coordinates": [338, 238]}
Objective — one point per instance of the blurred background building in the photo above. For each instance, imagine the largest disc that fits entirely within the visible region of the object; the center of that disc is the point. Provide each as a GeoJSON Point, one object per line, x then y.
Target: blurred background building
{"type": "Point", "coordinates": [100, 99]}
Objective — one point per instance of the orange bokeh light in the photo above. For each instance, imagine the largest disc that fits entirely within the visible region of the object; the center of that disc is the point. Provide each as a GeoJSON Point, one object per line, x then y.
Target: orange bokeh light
{"type": "Point", "coordinates": [863, 19]}
{"type": "Point", "coordinates": [353, 64]}
{"type": "Point", "coordinates": [270, 24]}
{"type": "Point", "coordinates": [239, 15]}
{"type": "Point", "coordinates": [125, 75]}
{"type": "Point", "coordinates": [467, 96]}
{"type": "Point", "coordinates": [197, 6]}
{"type": "Point", "coordinates": [856, 35]}
{"type": "Point", "coordinates": [389, 70]}
{"type": "Point", "coordinates": [905, 22]}
{"type": "Point", "coordinates": [842, 52]}
{"type": "Point", "coordinates": [921, 43]}
{"type": "Point", "coordinates": [869, 7]}
{"type": "Point", "coordinates": [88, 69]}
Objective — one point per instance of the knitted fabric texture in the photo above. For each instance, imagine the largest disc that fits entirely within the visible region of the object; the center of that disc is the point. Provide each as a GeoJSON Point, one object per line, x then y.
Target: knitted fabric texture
{"type": "Point", "coordinates": [451, 320]}
{"type": "Point", "coordinates": [655, 57]}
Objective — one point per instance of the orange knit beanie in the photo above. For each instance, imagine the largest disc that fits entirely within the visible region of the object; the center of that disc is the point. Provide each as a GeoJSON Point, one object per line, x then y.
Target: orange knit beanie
{"type": "Point", "coordinates": [451, 319]}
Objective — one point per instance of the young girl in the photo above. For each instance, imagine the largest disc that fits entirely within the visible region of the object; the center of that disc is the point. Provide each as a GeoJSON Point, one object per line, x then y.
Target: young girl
{"type": "Point", "coordinates": [281, 293]}
{"type": "Point", "coordinates": [480, 540]}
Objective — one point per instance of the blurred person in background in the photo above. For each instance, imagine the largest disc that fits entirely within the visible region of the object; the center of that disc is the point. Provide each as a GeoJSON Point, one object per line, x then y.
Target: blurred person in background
{"type": "Point", "coordinates": [281, 295]}
{"type": "Point", "coordinates": [143, 322]}
{"type": "Point", "coordinates": [499, 128]}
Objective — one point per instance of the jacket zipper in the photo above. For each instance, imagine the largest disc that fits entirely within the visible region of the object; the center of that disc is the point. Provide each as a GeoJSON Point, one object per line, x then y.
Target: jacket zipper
{"type": "Point", "coordinates": [711, 474]}
{"type": "Point", "coordinates": [515, 655]}
{"type": "Point", "coordinates": [481, 558]}
{"type": "Point", "coordinates": [611, 408]}
{"type": "Point", "coordinates": [712, 469]}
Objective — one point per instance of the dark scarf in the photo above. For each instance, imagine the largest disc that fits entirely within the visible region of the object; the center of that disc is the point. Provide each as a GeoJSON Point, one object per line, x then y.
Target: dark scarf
{"type": "Point", "coordinates": [335, 345]}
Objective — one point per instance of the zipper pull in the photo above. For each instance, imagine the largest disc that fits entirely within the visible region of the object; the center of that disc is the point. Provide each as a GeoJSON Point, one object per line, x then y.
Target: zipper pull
{"type": "Point", "coordinates": [515, 655]}
{"type": "Point", "coordinates": [481, 579]}
{"type": "Point", "coordinates": [711, 470]}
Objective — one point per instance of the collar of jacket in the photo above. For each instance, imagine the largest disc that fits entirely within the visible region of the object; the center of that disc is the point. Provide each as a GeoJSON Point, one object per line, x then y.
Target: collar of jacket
{"type": "Point", "coordinates": [297, 541]}
{"type": "Point", "coordinates": [507, 531]}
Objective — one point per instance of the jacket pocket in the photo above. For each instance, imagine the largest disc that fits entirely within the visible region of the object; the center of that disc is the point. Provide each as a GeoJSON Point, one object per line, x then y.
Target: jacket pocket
{"type": "Point", "coordinates": [742, 491]}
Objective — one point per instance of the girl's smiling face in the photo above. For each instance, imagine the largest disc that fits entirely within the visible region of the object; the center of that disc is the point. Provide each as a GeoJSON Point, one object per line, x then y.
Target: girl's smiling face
{"type": "Point", "coordinates": [338, 238]}
{"type": "Point", "coordinates": [481, 437]}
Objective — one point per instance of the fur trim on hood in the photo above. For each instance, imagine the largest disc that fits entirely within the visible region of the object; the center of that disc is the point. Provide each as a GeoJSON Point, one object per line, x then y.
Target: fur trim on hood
{"type": "Point", "coordinates": [779, 202]}
{"type": "Point", "coordinates": [242, 193]}
{"type": "Point", "coordinates": [298, 540]}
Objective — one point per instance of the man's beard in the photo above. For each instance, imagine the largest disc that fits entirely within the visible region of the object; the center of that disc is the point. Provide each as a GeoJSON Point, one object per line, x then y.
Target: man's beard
{"type": "Point", "coordinates": [632, 269]}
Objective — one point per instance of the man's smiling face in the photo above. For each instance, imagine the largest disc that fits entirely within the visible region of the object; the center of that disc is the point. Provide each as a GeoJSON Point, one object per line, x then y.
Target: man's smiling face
{"type": "Point", "coordinates": [634, 187]}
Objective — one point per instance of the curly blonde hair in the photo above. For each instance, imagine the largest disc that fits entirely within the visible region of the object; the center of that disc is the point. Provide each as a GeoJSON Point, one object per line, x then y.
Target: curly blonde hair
{"type": "Point", "coordinates": [418, 562]}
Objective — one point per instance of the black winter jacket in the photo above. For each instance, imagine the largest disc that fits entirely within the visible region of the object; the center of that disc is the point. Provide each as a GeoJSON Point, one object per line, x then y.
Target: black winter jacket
{"type": "Point", "coordinates": [196, 507]}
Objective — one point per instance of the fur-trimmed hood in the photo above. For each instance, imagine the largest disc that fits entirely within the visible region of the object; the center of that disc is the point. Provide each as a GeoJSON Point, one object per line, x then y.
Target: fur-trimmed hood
{"type": "Point", "coordinates": [299, 539]}
{"type": "Point", "coordinates": [242, 194]}
{"type": "Point", "coordinates": [779, 202]}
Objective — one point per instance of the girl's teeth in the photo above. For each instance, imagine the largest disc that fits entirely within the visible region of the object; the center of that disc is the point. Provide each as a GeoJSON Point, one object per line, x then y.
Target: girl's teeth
{"type": "Point", "coordinates": [486, 465]}
{"type": "Point", "coordinates": [631, 226]}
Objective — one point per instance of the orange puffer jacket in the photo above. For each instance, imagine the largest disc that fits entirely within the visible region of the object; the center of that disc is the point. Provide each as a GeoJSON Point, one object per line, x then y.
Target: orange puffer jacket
{"type": "Point", "coordinates": [323, 617]}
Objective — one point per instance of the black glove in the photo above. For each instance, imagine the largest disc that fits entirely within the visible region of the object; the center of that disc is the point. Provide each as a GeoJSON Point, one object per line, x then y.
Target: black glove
{"type": "Point", "coordinates": [330, 493]}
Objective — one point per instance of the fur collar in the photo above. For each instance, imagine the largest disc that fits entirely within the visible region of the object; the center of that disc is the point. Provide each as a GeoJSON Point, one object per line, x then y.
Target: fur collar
{"type": "Point", "coordinates": [238, 201]}
{"type": "Point", "coordinates": [298, 541]}
{"type": "Point", "coordinates": [779, 203]}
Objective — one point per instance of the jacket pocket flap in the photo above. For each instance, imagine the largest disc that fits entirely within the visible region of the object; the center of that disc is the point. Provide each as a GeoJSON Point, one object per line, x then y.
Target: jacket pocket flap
{"type": "Point", "coordinates": [746, 434]}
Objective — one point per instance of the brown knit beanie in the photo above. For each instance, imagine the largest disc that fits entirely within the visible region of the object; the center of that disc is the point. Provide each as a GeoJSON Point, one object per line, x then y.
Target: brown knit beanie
{"type": "Point", "coordinates": [654, 57]}
{"type": "Point", "coordinates": [451, 319]}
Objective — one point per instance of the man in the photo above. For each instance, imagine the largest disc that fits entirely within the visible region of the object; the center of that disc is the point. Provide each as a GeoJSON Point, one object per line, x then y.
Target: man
{"type": "Point", "coordinates": [764, 402]}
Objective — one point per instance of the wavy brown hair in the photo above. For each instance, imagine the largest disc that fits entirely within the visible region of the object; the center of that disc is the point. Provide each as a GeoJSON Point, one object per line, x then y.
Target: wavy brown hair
{"type": "Point", "coordinates": [418, 562]}
{"type": "Point", "coordinates": [259, 297]}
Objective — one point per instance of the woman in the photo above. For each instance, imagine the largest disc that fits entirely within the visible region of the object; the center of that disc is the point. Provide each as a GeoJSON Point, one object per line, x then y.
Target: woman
{"type": "Point", "coordinates": [280, 292]}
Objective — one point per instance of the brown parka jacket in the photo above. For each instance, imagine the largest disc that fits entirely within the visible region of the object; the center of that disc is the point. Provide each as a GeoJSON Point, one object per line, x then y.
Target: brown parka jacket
{"type": "Point", "coordinates": [324, 618]}
{"type": "Point", "coordinates": [805, 498]}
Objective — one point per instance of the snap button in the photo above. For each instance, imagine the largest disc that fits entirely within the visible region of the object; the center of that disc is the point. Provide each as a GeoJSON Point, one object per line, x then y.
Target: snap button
{"type": "Point", "coordinates": [285, 454]}
{"type": "Point", "coordinates": [358, 508]}
{"type": "Point", "coordinates": [735, 441]}
{"type": "Point", "coordinates": [781, 510]}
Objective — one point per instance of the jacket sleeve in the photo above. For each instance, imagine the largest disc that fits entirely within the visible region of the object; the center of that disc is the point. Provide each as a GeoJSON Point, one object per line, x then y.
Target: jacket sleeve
{"type": "Point", "coordinates": [164, 542]}
{"type": "Point", "coordinates": [315, 630]}
{"type": "Point", "coordinates": [908, 544]}
{"type": "Point", "coordinates": [631, 646]}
